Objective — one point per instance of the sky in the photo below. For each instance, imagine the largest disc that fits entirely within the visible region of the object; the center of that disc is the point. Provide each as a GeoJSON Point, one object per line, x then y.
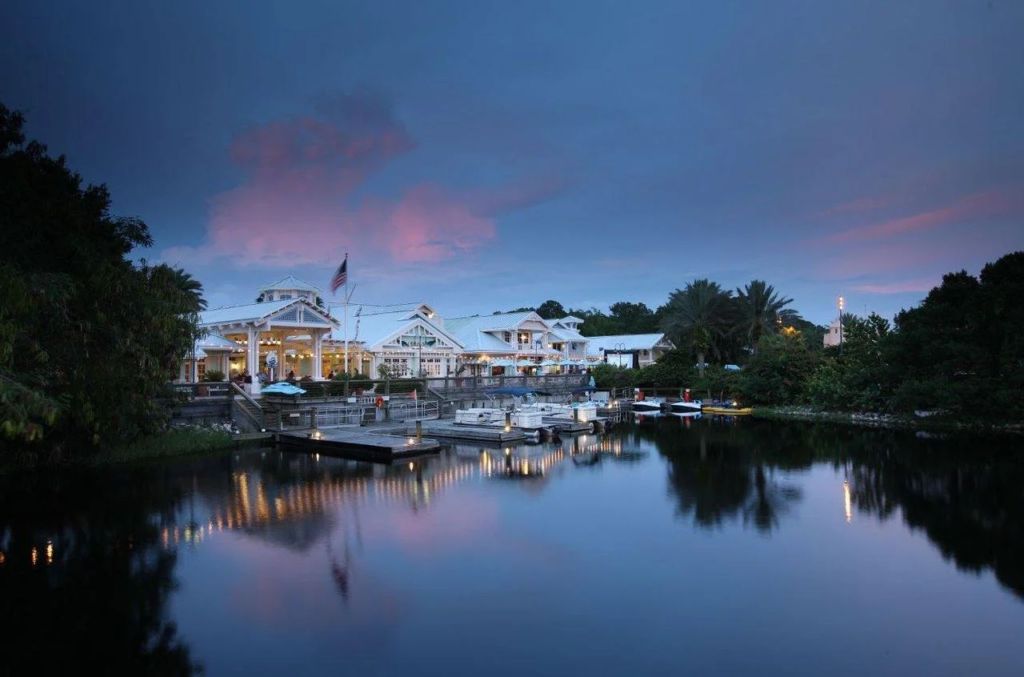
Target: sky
{"type": "Point", "coordinates": [483, 156]}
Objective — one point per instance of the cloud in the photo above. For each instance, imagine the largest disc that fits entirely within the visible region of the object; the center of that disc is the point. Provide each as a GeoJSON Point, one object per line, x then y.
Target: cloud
{"type": "Point", "coordinates": [306, 195]}
{"type": "Point", "coordinates": [988, 204]}
{"type": "Point", "coordinates": [904, 287]}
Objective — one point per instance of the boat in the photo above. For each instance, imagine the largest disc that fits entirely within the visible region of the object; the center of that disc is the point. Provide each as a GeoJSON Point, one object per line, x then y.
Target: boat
{"type": "Point", "coordinates": [515, 415]}
{"type": "Point", "coordinates": [646, 406]}
{"type": "Point", "coordinates": [582, 412]}
{"type": "Point", "coordinates": [728, 411]}
{"type": "Point", "coordinates": [684, 407]}
{"type": "Point", "coordinates": [494, 416]}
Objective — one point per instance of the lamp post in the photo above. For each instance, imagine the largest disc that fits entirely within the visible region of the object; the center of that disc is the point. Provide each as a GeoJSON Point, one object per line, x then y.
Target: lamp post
{"type": "Point", "coordinates": [619, 347]}
{"type": "Point", "coordinates": [840, 326]}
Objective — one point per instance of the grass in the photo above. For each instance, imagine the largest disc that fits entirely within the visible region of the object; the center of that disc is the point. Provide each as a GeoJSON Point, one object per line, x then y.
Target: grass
{"type": "Point", "coordinates": [176, 442]}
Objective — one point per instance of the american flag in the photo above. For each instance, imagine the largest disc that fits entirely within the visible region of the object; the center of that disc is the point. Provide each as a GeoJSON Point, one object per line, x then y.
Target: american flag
{"type": "Point", "coordinates": [340, 277]}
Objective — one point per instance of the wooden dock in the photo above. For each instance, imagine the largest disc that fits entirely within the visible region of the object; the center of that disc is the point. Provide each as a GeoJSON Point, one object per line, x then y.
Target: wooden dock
{"type": "Point", "coordinates": [461, 431]}
{"type": "Point", "coordinates": [357, 444]}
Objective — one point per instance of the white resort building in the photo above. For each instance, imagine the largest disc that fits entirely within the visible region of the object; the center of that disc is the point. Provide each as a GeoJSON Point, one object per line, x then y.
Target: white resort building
{"type": "Point", "coordinates": [632, 351]}
{"type": "Point", "coordinates": [288, 332]}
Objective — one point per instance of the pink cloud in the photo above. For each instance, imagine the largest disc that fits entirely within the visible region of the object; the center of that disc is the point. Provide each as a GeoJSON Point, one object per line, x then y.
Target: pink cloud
{"type": "Point", "coordinates": [299, 205]}
{"type": "Point", "coordinates": [906, 286]}
{"type": "Point", "coordinates": [988, 204]}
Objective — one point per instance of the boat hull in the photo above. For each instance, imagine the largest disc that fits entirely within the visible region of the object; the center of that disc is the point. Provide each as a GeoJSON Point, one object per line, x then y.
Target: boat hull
{"type": "Point", "coordinates": [686, 407]}
{"type": "Point", "coordinates": [728, 411]}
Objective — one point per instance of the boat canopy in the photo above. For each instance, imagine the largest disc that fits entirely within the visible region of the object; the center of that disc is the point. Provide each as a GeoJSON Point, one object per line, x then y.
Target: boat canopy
{"type": "Point", "coordinates": [583, 389]}
{"type": "Point", "coordinates": [517, 391]}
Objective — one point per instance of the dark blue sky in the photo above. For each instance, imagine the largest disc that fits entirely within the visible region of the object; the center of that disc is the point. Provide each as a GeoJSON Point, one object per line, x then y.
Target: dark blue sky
{"type": "Point", "coordinates": [484, 155]}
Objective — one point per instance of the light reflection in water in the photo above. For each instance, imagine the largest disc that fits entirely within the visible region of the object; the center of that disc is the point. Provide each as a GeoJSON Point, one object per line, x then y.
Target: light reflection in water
{"type": "Point", "coordinates": [848, 501]}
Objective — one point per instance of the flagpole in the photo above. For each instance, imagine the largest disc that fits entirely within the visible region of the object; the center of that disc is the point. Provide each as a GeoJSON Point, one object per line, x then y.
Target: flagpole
{"type": "Point", "coordinates": [345, 320]}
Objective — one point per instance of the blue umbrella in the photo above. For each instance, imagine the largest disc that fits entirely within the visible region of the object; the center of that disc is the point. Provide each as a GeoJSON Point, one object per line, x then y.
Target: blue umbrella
{"type": "Point", "coordinates": [283, 388]}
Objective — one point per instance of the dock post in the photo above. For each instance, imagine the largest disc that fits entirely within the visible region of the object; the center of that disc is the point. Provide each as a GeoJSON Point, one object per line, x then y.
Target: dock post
{"type": "Point", "coordinates": [508, 421]}
{"type": "Point", "coordinates": [312, 415]}
{"type": "Point", "coordinates": [576, 414]}
{"type": "Point", "coordinates": [419, 431]}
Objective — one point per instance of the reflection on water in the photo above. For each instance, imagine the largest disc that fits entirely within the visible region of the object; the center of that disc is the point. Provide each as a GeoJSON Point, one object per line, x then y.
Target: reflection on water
{"type": "Point", "coordinates": [84, 580]}
{"type": "Point", "coordinates": [354, 562]}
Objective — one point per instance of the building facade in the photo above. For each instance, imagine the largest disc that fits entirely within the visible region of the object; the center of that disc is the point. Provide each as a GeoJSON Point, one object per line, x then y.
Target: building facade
{"type": "Point", "coordinates": [288, 333]}
{"type": "Point", "coordinates": [631, 351]}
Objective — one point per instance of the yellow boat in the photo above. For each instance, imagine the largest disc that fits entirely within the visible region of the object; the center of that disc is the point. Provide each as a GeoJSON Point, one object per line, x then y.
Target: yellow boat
{"type": "Point", "coordinates": [728, 411]}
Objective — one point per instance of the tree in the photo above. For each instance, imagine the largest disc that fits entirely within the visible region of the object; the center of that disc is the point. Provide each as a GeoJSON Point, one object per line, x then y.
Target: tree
{"type": "Point", "coordinates": [551, 310]}
{"type": "Point", "coordinates": [778, 371]}
{"type": "Point", "coordinates": [595, 322]}
{"type": "Point", "coordinates": [761, 311]}
{"type": "Point", "coordinates": [699, 317]}
{"type": "Point", "coordinates": [633, 318]}
{"type": "Point", "coordinates": [88, 339]}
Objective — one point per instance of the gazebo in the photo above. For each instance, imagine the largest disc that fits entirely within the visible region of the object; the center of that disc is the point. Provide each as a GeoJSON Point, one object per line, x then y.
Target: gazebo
{"type": "Point", "coordinates": [293, 326]}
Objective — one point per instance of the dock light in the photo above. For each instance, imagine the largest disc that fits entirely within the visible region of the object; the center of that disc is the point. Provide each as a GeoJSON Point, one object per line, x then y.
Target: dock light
{"type": "Point", "coordinates": [316, 435]}
{"type": "Point", "coordinates": [411, 466]}
{"type": "Point", "coordinates": [410, 442]}
{"type": "Point", "coordinates": [508, 451]}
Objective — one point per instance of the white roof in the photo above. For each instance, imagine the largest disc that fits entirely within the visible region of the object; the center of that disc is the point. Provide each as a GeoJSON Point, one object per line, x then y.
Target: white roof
{"type": "Point", "coordinates": [625, 342]}
{"type": "Point", "coordinates": [217, 342]}
{"type": "Point", "coordinates": [571, 318]}
{"type": "Point", "coordinates": [472, 332]}
{"type": "Point", "coordinates": [252, 312]}
{"type": "Point", "coordinates": [568, 334]}
{"type": "Point", "coordinates": [248, 312]}
{"type": "Point", "coordinates": [291, 283]}
{"type": "Point", "coordinates": [369, 326]}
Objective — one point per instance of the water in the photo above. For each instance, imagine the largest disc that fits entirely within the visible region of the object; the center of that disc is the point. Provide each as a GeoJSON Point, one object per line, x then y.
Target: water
{"type": "Point", "coordinates": [672, 547]}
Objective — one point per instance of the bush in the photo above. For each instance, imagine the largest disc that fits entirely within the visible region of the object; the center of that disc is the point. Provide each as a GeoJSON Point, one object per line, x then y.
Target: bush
{"type": "Point", "coordinates": [213, 375]}
{"type": "Point", "coordinates": [719, 384]}
{"type": "Point", "coordinates": [778, 372]}
{"type": "Point", "coordinates": [608, 376]}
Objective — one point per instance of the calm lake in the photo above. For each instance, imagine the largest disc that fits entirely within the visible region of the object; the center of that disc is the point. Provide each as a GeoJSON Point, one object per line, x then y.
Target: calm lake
{"type": "Point", "coordinates": [668, 547]}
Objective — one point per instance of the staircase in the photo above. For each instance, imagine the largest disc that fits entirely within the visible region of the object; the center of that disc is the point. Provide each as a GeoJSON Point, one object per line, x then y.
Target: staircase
{"type": "Point", "coordinates": [246, 413]}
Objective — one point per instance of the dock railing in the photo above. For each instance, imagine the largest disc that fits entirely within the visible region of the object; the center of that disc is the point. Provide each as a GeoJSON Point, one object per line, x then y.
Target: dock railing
{"type": "Point", "coordinates": [339, 414]}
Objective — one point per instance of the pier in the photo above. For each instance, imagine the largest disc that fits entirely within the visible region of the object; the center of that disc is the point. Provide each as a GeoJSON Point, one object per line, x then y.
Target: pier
{"type": "Point", "coordinates": [357, 444]}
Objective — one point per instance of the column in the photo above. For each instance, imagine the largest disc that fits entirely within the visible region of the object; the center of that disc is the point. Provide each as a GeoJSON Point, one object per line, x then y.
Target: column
{"type": "Point", "coordinates": [252, 359]}
{"type": "Point", "coordinates": [318, 359]}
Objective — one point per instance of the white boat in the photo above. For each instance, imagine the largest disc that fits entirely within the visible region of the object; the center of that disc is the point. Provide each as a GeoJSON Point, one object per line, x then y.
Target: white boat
{"type": "Point", "coordinates": [682, 407]}
{"type": "Point", "coordinates": [583, 412]}
{"type": "Point", "coordinates": [495, 416]}
{"type": "Point", "coordinates": [648, 405]}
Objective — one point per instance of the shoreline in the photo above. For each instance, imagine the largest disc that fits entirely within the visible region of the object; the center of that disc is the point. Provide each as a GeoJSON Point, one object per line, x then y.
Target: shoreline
{"type": "Point", "coordinates": [887, 421]}
{"type": "Point", "coordinates": [178, 442]}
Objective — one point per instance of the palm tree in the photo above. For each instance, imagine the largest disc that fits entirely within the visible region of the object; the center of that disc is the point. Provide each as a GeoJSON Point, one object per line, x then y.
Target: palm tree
{"type": "Point", "coordinates": [191, 288]}
{"type": "Point", "coordinates": [762, 311]}
{"type": "Point", "coordinates": [700, 316]}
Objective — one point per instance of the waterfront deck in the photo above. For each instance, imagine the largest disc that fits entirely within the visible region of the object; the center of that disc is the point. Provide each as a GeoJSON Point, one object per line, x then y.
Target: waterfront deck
{"type": "Point", "coordinates": [358, 444]}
